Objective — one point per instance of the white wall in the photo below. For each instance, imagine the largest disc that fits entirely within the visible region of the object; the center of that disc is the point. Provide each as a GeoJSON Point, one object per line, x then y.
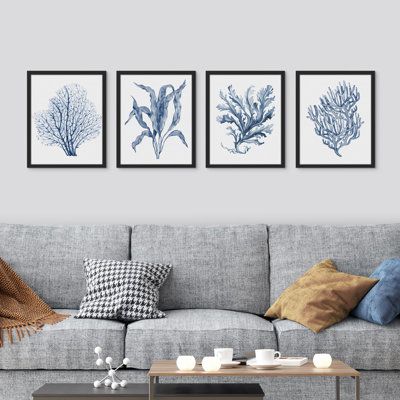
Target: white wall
{"type": "Point", "coordinates": [199, 35]}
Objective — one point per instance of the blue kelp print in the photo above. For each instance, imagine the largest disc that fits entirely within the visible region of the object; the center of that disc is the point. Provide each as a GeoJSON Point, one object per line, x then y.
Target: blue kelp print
{"type": "Point", "coordinates": [336, 118]}
{"type": "Point", "coordinates": [158, 113]}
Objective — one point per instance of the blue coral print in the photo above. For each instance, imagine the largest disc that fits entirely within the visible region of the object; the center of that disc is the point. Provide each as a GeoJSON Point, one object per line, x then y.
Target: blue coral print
{"type": "Point", "coordinates": [157, 115]}
{"type": "Point", "coordinates": [70, 120]}
{"type": "Point", "coordinates": [247, 117]}
{"type": "Point", "coordinates": [336, 118]}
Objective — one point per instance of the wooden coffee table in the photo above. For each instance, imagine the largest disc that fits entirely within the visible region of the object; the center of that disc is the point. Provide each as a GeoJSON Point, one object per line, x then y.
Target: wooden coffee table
{"type": "Point", "coordinates": [338, 369]}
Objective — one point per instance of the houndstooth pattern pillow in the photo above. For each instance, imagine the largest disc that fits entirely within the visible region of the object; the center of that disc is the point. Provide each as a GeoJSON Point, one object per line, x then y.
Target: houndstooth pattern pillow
{"type": "Point", "coordinates": [122, 290]}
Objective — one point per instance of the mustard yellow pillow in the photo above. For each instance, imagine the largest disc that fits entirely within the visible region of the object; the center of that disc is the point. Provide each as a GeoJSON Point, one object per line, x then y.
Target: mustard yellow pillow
{"type": "Point", "coordinates": [322, 297]}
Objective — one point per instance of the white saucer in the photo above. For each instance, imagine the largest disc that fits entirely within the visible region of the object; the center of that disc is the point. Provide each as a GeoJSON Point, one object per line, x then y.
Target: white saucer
{"type": "Point", "coordinates": [232, 364]}
{"type": "Point", "coordinates": [265, 366]}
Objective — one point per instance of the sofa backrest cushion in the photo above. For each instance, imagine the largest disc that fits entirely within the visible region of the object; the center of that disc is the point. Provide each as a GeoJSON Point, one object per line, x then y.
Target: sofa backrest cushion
{"type": "Point", "coordinates": [356, 250]}
{"type": "Point", "coordinates": [223, 267]}
{"type": "Point", "coordinates": [50, 258]}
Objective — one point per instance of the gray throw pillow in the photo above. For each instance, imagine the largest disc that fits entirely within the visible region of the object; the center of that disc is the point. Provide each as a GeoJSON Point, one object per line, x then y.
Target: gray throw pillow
{"type": "Point", "coordinates": [122, 290]}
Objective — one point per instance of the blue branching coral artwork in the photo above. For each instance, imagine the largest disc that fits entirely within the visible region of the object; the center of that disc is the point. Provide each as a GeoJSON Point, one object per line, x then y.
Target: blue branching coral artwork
{"type": "Point", "coordinates": [157, 115]}
{"type": "Point", "coordinates": [70, 120]}
{"type": "Point", "coordinates": [246, 117]}
{"type": "Point", "coordinates": [336, 118]}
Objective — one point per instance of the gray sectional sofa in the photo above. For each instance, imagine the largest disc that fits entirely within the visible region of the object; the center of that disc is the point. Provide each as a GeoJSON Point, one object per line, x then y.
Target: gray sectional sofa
{"type": "Point", "coordinates": [223, 280]}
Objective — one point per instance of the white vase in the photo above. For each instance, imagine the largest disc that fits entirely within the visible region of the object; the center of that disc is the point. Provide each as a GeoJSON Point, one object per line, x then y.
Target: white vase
{"type": "Point", "coordinates": [211, 364]}
{"type": "Point", "coordinates": [185, 363]}
{"type": "Point", "coordinates": [322, 360]}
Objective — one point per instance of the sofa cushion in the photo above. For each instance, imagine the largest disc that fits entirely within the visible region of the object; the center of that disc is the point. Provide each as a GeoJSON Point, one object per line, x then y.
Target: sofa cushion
{"type": "Point", "coordinates": [122, 290]}
{"type": "Point", "coordinates": [67, 345]}
{"type": "Point", "coordinates": [356, 250]}
{"type": "Point", "coordinates": [322, 297]}
{"type": "Point", "coordinates": [50, 258]}
{"type": "Point", "coordinates": [213, 267]}
{"type": "Point", "coordinates": [381, 305]}
{"type": "Point", "coordinates": [359, 343]}
{"type": "Point", "coordinates": [195, 332]}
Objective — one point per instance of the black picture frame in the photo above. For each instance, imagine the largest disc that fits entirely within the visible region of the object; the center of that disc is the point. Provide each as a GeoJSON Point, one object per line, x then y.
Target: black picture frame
{"type": "Point", "coordinates": [32, 73]}
{"type": "Point", "coordinates": [192, 74]}
{"type": "Point", "coordinates": [209, 164]}
{"type": "Point", "coordinates": [299, 74]}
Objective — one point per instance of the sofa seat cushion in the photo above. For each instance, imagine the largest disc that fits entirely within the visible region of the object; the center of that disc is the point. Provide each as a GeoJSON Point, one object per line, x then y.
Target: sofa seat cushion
{"type": "Point", "coordinates": [67, 345]}
{"type": "Point", "coordinates": [195, 332]}
{"type": "Point", "coordinates": [359, 343]}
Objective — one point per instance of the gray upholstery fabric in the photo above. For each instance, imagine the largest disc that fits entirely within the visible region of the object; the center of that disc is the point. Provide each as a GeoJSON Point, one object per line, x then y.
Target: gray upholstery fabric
{"type": "Point", "coordinates": [355, 249]}
{"type": "Point", "coordinates": [359, 343]}
{"type": "Point", "coordinates": [50, 258]}
{"type": "Point", "coordinates": [195, 332]}
{"type": "Point", "coordinates": [67, 345]}
{"type": "Point", "coordinates": [375, 385]}
{"type": "Point", "coordinates": [213, 267]}
{"type": "Point", "coordinates": [216, 265]}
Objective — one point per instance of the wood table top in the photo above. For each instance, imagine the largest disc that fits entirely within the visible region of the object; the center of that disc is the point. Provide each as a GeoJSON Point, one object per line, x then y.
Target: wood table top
{"type": "Point", "coordinates": [338, 368]}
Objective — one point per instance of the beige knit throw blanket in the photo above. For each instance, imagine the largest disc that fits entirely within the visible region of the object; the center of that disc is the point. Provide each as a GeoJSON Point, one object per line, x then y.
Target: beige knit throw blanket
{"type": "Point", "coordinates": [22, 311]}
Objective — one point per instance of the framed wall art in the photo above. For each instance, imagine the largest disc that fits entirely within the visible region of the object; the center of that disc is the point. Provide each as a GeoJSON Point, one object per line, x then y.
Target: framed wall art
{"type": "Point", "coordinates": [245, 117]}
{"type": "Point", "coordinates": [156, 119]}
{"type": "Point", "coordinates": [66, 121]}
{"type": "Point", "coordinates": [335, 119]}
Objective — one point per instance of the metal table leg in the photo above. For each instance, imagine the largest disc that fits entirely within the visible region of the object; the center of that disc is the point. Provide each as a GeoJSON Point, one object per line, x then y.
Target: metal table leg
{"type": "Point", "coordinates": [151, 387]}
{"type": "Point", "coordinates": [357, 388]}
{"type": "Point", "coordinates": [337, 388]}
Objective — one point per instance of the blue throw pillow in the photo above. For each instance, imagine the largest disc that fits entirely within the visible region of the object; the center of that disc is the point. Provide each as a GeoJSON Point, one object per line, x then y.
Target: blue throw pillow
{"type": "Point", "coordinates": [381, 304]}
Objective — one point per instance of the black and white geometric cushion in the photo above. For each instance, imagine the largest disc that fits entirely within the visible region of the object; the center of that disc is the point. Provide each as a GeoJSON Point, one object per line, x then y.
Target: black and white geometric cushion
{"type": "Point", "coordinates": [122, 290]}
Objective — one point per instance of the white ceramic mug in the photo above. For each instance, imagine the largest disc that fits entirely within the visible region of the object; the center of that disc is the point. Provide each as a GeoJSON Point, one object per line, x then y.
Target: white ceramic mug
{"type": "Point", "coordinates": [225, 355]}
{"type": "Point", "coordinates": [267, 356]}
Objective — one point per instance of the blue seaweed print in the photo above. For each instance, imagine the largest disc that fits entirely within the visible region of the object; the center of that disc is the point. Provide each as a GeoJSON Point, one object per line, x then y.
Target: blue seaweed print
{"type": "Point", "coordinates": [157, 114]}
{"type": "Point", "coordinates": [246, 117]}
{"type": "Point", "coordinates": [70, 120]}
{"type": "Point", "coordinates": [336, 118]}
